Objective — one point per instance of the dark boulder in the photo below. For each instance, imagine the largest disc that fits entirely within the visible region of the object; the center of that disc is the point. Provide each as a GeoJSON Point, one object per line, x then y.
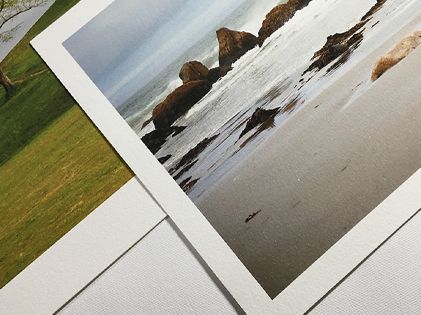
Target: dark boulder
{"type": "Point", "coordinates": [233, 45]}
{"type": "Point", "coordinates": [278, 16]}
{"type": "Point", "coordinates": [179, 102]}
{"type": "Point", "coordinates": [156, 139]}
{"type": "Point", "coordinates": [187, 184]}
{"type": "Point", "coordinates": [164, 159]}
{"type": "Point", "coordinates": [216, 73]}
{"type": "Point", "coordinates": [193, 71]}
{"type": "Point", "coordinates": [259, 117]}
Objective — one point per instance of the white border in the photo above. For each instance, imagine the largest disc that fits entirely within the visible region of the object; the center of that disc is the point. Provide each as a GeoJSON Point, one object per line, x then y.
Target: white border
{"type": "Point", "coordinates": [83, 254]}
{"type": "Point", "coordinates": [310, 286]}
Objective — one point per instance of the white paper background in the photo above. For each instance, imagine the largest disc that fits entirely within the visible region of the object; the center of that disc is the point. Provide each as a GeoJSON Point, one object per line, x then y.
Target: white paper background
{"type": "Point", "coordinates": [83, 253]}
{"type": "Point", "coordinates": [107, 265]}
{"type": "Point", "coordinates": [311, 285]}
{"type": "Point", "coordinates": [161, 276]}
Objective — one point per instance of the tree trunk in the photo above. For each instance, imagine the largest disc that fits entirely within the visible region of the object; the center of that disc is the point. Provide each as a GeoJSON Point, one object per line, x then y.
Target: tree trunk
{"type": "Point", "coordinates": [7, 84]}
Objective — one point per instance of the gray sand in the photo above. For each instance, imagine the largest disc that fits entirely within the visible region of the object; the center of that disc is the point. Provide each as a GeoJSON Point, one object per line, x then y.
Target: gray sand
{"type": "Point", "coordinates": [322, 171]}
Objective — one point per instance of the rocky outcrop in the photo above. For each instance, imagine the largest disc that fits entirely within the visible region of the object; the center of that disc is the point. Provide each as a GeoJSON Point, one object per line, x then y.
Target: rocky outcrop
{"type": "Point", "coordinates": [164, 159]}
{"type": "Point", "coordinates": [216, 73]}
{"type": "Point", "coordinates": [278, 16]}
{"type": "Point", "coordinates": [179, 102]}
{"type": "Point", "coordinates": [341, 45]}
{"type": "Point", "coordinates": [193, 71]}
{"type": "Point", "coordinates": [259, 117]}
{"type": "Point", "coordinates": [194, 153]}
{"type": "Point", "coordinates": [233, 45]}
{"type": "Point", "coordinates": [156, 139]}
{"type": "Point", "coordinates": [337, 45]}
{"type": "Point", "coordinates": [398, 53]}
{"type": "Point", "coordinates": [376, 7]}
{"type": "Point", "coordinates": [187, 184]}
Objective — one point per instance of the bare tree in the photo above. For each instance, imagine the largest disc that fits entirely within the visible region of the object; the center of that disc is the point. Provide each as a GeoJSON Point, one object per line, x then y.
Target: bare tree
{"type": "Point", "coordinates": [9, 11]}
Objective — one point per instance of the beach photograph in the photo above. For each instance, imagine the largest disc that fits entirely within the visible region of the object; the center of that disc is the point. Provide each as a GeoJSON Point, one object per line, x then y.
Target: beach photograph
{"type": "Point", "coordinates": [285, 122]}
{"type": "Point", "coordinates": [55, 167]}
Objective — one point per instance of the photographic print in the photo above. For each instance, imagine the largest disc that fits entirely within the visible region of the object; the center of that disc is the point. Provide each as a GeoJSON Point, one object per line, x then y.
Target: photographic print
{"type": "Point", "coordinates": [285, 122]}
{"type": "Point", "coordinates": [55, 168]}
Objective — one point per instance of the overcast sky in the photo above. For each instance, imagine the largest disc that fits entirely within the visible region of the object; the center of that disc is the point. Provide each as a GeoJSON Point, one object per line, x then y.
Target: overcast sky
{"type": "Point", "coordinates": [131, 41]}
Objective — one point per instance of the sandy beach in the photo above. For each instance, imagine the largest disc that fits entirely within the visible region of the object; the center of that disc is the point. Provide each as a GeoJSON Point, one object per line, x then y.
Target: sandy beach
{"type": "Point", "coordinates": [323, 170]}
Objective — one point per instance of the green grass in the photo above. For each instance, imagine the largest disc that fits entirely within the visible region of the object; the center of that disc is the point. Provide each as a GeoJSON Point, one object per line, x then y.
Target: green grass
{"type": "Point", "coordinates": [35, 105]}
{"type": "Point", "coordinates": [23, 60]}
{"type": "Point", "coordinates": [55, 167]}
{"type": "Point", "coordinates": [50, 186]}
{"type": "Point", "coordinates": [40, 99]}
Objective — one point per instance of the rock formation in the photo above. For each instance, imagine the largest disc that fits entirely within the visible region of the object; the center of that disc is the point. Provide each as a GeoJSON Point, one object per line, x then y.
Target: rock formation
{"type": "Point", "coordinates": [398, 53]}
{"type": "Point", "coordinates": [259, 117]}
{"type": "Point", "coordinates": [194, 152]}
{"type": "Point", "coordinates": [376, 7]}
{"type": "Point", "coordinates": [156, 139]}
{"type": "Point", "coordinates": [233, 45]}
{"type": "Point", "coordinates": [164, 159]}
{"type": "Point", "coordinates": [179, 102]}
{"type": "Point", "coordinates": [193, 71]}
{"type": "Point", "coordinates": [337, 45]}
{"type": "Point", "coordinates": [216, 73]}
{"type": "Point", "coordinates": [188, 184]}
{"type": "Point", "coordinates": [278, 16]}
{"type": "Point", "coordinates": [341, 45]}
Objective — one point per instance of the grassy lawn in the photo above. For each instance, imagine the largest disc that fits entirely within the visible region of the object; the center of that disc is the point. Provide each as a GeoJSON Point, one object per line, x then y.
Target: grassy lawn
{"type": "Point", "coordinates": [38, 100]}
{"type": "Point", "coordinates": [50, 186]}
{"type": "Point", "coordinates": [55, 167]}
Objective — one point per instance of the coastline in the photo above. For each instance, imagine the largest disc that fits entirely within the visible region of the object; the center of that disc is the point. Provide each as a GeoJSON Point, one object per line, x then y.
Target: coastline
{"type": "Point", "coordinates": [317, 175]}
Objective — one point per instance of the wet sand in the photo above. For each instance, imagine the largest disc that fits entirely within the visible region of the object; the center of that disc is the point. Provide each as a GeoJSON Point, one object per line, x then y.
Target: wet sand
{"type": "Point", "coordinates": [322, 171]}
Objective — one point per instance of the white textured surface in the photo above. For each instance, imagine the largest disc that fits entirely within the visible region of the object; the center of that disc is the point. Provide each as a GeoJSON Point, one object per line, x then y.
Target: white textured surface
{"type": "Point", "coordinates": [389, 282]}
{"type": "Point", "coordinates": [166, 281]}
{"type": "Point", "coordinates": [315, 281]}
{"type": "Point", "coordinates": [160, 275]}
{"type": "Point", "coordinates": [83, 253]}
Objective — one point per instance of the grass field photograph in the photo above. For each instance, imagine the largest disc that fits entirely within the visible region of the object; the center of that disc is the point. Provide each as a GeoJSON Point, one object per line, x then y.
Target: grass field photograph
{"type": "Point", "coordinates": [55, 167]}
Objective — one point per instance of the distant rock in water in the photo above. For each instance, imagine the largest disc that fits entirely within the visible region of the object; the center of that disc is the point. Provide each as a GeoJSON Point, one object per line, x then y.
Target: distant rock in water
{"type": "Point", "coordinates": [398, 53]}
{"type": "Point", "coordinates": [179, 102]}
{"type": "Point", "coordinates": [156, 139]}
{"type": "Point", "coordinates": [193, 71]}
{"type": "Point", "coordinates": [233, 45]}
{"type": "Point", "coordinates": [216, 73]}
{"type": "Point", "coordinates": [278, 16]}
{"type": "Point", "coordinates": [259, 117]}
